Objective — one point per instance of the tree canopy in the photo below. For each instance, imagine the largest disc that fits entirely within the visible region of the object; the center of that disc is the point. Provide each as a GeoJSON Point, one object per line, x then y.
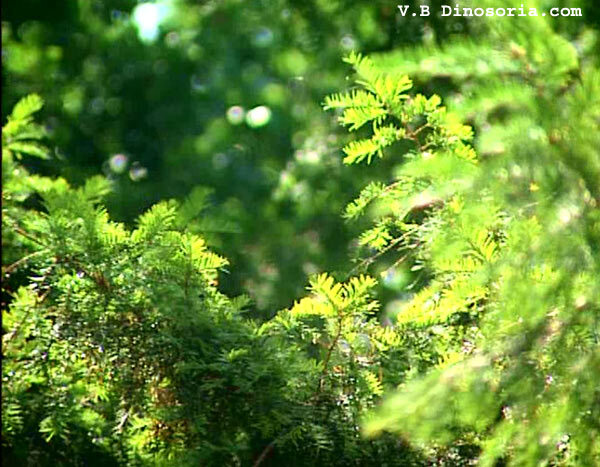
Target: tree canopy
{"type": "Point", "coordinates": [201, 266]}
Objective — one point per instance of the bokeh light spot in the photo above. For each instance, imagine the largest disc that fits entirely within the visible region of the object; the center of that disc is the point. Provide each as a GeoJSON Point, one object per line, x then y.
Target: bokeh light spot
{"type": "Point", "coordinates": [258, 116]}
{"type": "Point", "coordinates": [235, 115]}
{"type": "Point", "coordinates": [147, 18]}
{"type": "Point", "coordinates": [118, 163]}
{"type": "Point", "coordinates": [347, 42]}
{"type": "Point", "coordinates": [137, 172]}
{"type": "Point", "coordinates": [263, 37]}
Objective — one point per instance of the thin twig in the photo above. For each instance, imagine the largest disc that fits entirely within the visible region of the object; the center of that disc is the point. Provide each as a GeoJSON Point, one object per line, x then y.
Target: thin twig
{"type": "Point", "coordinates": [330, 351]}
{"type": "Point", "coordinates": [265, 452]}
{"type": "Point", "coordinates": [269, 447]}
{"type": "Point", "coordinates": [372, 258]}
{"type": "Point", "coordinates": [8, 269]}
{"type": "Point", "coordinates": [23, 233]}
{"type": "Point", "coordinates": [39, 300]}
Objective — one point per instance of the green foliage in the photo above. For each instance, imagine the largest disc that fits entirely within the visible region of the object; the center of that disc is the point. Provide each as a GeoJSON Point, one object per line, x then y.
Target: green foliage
{"type": "Point", "coordinates": [178, 105]}
{"type": "Point", "coordinates": [505, 247]}
{"type": "Point", "coordinates": [20, 135]}
{"type": "Point", "coordinates": [395, 117]}
{"type": "Point", "coordinates": [478, 346]}
{"type": "Point", "coordinates": [120, 349]}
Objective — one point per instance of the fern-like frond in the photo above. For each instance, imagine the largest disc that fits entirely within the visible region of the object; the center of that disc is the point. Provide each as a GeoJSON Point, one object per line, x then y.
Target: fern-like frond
{"type": "Point", "coordinates": [158, 219]}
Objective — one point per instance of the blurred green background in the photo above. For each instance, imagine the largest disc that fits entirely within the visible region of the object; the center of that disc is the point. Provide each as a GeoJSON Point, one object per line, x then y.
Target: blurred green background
{"type": "Point", "coordinates": [218, 102]}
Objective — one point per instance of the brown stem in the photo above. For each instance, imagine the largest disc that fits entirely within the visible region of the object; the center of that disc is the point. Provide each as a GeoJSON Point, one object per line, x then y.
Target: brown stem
{"type": "Point", "coordinates": [330, 351]}
{"type": "Point", "coordinates": [23, 233]}
{"type": "Point", "coordinates": [39, 300]}
{"type": "Point", "coordinates": [269, 447]}
{"type": "Point", "coordinates": [372, 258]}
{"type": "Point", "coordinates": [8, 269]}
{"type": "Point", "coordinates": [265, 452]}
